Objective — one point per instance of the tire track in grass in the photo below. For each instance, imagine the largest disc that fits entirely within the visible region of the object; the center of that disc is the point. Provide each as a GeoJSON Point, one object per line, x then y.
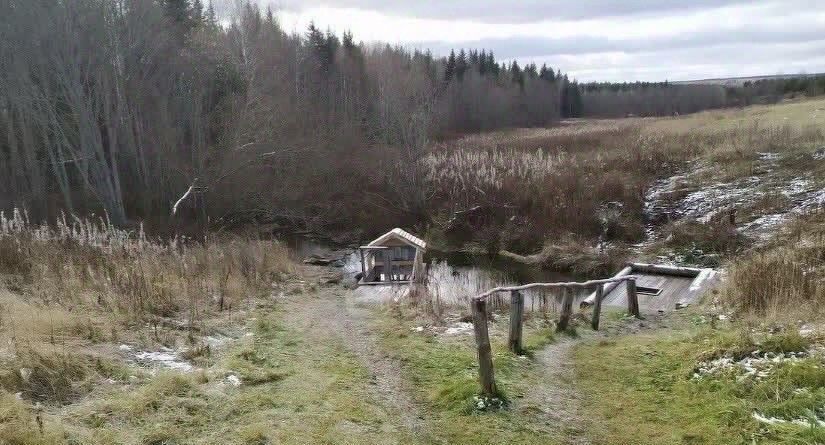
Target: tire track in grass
{"type": "Point", "coordinates": [332, 317]}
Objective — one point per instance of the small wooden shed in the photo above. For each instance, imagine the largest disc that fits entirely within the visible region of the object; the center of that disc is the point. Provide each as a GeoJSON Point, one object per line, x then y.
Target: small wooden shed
{"type": "Point", "coordinates": [660, 287]}
{"type": "Point", "coordinates": [396, 257]}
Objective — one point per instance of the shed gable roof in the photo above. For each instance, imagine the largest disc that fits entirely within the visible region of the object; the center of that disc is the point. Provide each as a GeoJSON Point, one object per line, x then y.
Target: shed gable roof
{"type": "Point", "coordinates": [401, 235]}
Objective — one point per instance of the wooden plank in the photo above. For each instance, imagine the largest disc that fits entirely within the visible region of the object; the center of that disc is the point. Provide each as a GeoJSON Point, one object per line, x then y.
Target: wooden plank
{"type": "Point", "coordinates": [485, 355]}
{"type": "Point", "coordinates": [388, 265]}
{"type": "Point", "coordinates": [689, 272]}
{"type": "Point", "coordinates": [597, 307]}
{"type": "Point", "coordinates": [568, 285]}
{"type": "Point", "coordinates": [566, 310]}
{"type": "Point", "coordinates": [609, 288]}
{"type": "Point", "coordinates": [514, 342]}
{"type": "Point", "coordinates": [632, 299]}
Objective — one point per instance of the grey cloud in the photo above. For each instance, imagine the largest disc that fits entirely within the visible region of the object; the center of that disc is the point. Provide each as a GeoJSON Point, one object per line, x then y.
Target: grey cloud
{"type": "Point", "coordinates": [519, 47]}
{"type": "Point", "coordinates": [513, 11]}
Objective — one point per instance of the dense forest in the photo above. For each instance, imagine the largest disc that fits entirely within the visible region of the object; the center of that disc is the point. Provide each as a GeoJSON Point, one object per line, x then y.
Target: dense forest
{"type": "Point", "coordinates": [157, 111]}
{"type": "Point", "coordinates": [123, 106]}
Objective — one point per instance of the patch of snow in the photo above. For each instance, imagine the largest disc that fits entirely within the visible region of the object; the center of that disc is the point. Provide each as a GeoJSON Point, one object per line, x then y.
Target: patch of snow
{"type": "Point", "coordinates": [459, 328]}
{"type": "Point", "coordinates": [216, 341]}
{"type": "Point", "coordinates": [758, 366]}
{"type": "Point", "coordinates": [768, 156]}
{"type": "Point", "coordinates": [801, 421]}
{"type": "Point", "coordinates": [233, 380]}
{"type": "Point", "coordinates": [165, 358]}
{"type": "Point", "coordinates": [125, 348]}
{"type": "Point", "coordinates": [698, 282]}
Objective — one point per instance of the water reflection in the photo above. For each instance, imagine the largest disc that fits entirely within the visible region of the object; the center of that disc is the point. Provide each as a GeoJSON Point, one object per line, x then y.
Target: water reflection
{"type": "Point", "coordinates": [452, 278]}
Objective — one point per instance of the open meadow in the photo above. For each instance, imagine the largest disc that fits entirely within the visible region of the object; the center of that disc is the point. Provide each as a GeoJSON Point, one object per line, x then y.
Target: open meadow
{"type": "Point", "coordinates": [111, 336]}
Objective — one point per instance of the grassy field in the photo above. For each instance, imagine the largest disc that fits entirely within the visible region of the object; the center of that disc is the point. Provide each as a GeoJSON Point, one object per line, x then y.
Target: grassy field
{"type": "Point", "coordinates": [108, 336]}
{"type": "Point", "coordinates": [643, 390]}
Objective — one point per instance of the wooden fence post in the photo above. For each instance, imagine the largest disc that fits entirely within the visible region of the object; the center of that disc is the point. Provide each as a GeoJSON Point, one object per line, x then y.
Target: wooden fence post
{"type": "Point", "coordinates": [597, 307]}
{"type": "Point", "coordinates": [516, 315]}
{"type": "Point", "coordinates": [485, 354]}
{"type": "Point", "coordinates": [633, 299]}
{"type": "Point", "coordinates": [566, 310]}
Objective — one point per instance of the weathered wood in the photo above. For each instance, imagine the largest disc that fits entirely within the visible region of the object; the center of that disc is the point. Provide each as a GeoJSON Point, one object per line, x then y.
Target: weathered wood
{"type": "Point", "coordinates": [569, 285]}
{"type": "Point", "coordinates": [514, 342]}
{"type": "Point", "coordinates": [388, 265]}
{"type": "Point", "coordinates": [633, 299]}
{"type": "Point", "coordinates": [626, 272]}
{"type": "Point", "coordinates": [689, 272]}
{"type": "Point", "coordinates": [597, 307]}
{"type": "Point", "coordinates": [485, 355]}
{"type": "Point", "coordinates": [566, 310]}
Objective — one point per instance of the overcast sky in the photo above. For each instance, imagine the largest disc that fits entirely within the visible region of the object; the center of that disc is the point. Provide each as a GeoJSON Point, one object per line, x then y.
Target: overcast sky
{"type": "Point", "coordinates": [593, 39]}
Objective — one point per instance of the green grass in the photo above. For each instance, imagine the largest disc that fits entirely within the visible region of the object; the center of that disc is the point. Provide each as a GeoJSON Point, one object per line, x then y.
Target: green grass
{"type": "Point", "coordinates": [444, 372]}
{"type": "Point", "coordinates": [640, 387]}
{"type": "Point", "coordinates": [297, 389]}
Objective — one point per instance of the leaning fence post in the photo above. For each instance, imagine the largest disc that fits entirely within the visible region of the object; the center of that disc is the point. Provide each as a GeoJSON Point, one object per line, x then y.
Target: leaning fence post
{"type": "Point", "coordinates": [566, 310]}
{"type": "Point", "coordinates": [485, 355]}
{"type": "Point", "coordinates": [516, 315]}
{"type": "Point", "coordinates": [632, 299]}
{"type": "Point", "coordinates": [597, 307]}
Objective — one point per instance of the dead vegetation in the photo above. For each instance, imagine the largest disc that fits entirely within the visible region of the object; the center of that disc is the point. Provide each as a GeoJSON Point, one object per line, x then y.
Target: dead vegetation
{"type": "Point", "coordinates": [514, 190]}
{"type": "Point", "coordinates": [785, 280]}
{"type": "Point", "coordinates": [74, 289]}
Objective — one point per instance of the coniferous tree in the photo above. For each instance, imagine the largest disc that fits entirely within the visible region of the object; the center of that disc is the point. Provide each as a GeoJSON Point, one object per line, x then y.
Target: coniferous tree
{"type": "Point", "coordinates": [473, 57]}
{"type": "Point", "coordinates": [461, 64]}
{"type": "Point", "coordinates": [516, 74]}
{"type": "Point", "coordinates": [179, 11]}
{"type": "Point", "coordinates": [482, 62]}
{"type": "Point", "coordinates": [197, 12]}
{"type": "Point", "coordinates": [449, 69]}
{"type": "Point", "coordinates": [211, 17]}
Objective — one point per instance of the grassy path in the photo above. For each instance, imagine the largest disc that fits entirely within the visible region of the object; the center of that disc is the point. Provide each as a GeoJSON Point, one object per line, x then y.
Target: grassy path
{"type": "Point", "coordinates": [328, 316]}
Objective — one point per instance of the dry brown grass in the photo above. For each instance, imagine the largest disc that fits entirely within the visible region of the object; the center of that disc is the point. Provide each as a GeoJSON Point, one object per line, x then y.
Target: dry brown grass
{"type": "Point", "coordinates": [90, 264]}
{"type": "Point", "coordinates": [561, 180]}
{"type": "Point", "coordinates": [68, 286]}
{"type": "Point", "coordinates": [785, 280]}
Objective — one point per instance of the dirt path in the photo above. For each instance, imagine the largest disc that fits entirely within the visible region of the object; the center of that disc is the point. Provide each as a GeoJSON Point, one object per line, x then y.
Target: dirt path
{"type": "Point", "coordinates": [554, 399]}
{"type": "Point", "coordinates": [331, 315]}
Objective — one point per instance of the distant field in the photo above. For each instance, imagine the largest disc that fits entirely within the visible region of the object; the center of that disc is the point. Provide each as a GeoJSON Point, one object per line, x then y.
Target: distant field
{"type": "Point", "coordinates": [739, 81]}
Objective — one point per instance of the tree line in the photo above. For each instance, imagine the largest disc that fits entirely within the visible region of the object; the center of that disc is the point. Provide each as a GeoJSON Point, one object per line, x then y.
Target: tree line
{"type": "Point", "coordinates": [124, 106]}
{"type": "Point", "coordinates": [137, 108]}
{"type": "Point", "coordinates": [614, 99]}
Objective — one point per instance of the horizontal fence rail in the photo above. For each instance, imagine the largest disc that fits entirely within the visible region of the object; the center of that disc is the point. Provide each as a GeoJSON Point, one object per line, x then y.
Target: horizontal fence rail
{"type": "Point", "coordinates": [569, 285]}
{"type": "Point", "coordinates": [478, 305]}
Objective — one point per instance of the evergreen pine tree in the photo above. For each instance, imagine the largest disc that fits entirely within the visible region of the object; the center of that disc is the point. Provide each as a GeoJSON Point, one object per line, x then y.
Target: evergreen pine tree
{"type": "Point", "coordinates": [461, 65]}
{"type": "Point", "coordinates": [482, 62]}
{"type": "Point", "coordinates": [211, 17]}
{"type": "Point", "coordinates": [197, 12]}
{"type": "Point", "coordinates": [348, 41]}
{"type": "Point", "coordinates": [179, 11]}
{"type": "Point", "coordinates": [473, 58]}
{"type": "Point", "coordinates": [449, 69]}
{"type": "Point", "coordinates": [516, 74]}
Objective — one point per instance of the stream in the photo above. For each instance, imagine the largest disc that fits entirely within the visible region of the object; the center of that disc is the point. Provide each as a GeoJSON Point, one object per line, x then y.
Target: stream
{"type": "Point", "coordinates": [452, 277]}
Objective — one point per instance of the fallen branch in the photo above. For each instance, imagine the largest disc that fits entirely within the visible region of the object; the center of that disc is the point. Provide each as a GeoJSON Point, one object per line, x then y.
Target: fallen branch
{"type": "Point", "coordinates": [185, 195]}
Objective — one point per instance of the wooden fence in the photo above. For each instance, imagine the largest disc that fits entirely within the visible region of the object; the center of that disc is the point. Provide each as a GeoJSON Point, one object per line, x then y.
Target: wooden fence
{"type": "Point", "coordinates": [478, 304]}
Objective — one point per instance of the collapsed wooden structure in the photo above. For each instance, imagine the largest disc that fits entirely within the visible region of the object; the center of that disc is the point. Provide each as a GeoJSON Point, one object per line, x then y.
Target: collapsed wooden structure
{"type": "Point", "coordinates": [660, 288]}
{"type": "Point", "coordinates": [396, 257]}
{"type": "Point", "coordinates": [676, 286]}
{"type": "Point", "coordinates": [514, 340]}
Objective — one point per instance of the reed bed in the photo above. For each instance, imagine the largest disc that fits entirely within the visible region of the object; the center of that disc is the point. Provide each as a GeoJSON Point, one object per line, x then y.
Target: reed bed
{"type": "Point", "coordinates": [88, 263]}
